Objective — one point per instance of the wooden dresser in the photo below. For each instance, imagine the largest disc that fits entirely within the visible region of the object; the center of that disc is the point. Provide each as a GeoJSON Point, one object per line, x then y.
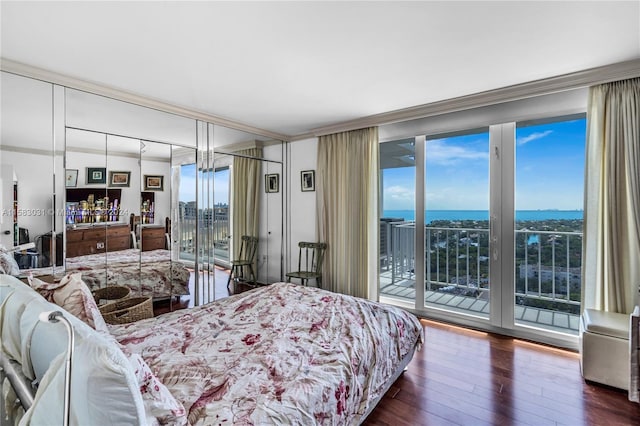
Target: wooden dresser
{"type": "Point", "coordinates": [153, 237]}
{"type": "Point", "coordinates": [97, 239]}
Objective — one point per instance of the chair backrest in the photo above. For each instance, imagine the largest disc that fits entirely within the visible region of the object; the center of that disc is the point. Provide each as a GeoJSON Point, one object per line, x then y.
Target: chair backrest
{"type": "Point", "coordinates": [313, 254]}
{"type": "Point", "coordinates": [248, 248]}
{"type": "Point", "coordinates": [134, 221]}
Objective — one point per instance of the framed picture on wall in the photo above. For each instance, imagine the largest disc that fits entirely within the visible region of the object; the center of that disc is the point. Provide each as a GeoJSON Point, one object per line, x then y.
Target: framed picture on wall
{"type": "Point", "coordinates": [71, 178]}
{"type": "Point", "coordinates": [153, 183]}
{"type": "Point", "coordinates": [308, 180]}
{"type": "Point", "coordinates": [96, 175]}
{"type": "Point", "coordinates": [119, 179]}
{"type": "Point", "coordinates": [272, 182]}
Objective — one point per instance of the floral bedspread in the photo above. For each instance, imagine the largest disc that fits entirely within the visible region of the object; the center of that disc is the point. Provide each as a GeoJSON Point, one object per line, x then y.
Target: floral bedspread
{"type": "Point", "coordinates": [281, 354]}
{"type": "Point", "coordinates": [147, 273]}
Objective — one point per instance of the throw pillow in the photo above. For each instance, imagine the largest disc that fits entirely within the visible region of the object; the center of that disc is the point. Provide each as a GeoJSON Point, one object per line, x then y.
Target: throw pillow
{"type": "Point", "coordinates": [72, 294]}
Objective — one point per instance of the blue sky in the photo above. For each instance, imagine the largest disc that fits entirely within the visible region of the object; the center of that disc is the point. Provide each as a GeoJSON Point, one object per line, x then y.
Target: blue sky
{"type": "Point", "coordinates": [549, 171]}
{"type": "Point", "coordinates": [188, 186]}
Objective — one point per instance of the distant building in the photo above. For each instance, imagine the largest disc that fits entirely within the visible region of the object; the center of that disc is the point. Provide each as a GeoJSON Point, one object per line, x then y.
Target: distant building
{"type": "Point", "coordinates": [546, 273]}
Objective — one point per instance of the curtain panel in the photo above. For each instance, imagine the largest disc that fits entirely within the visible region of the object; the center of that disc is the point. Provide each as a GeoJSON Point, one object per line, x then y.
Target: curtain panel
{"type": "Point", "coordinates": [347, 203]}
{"type": "Point", "coordinates": [245, 197]}
{"type": "Point", "coordinates": [611, 244]}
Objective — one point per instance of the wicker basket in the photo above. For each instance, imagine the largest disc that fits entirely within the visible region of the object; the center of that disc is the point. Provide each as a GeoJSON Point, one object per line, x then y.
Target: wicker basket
{"type": "Point", "coordinates": [127, 310]}
{"type": "Point", "coordinates": [110, 294]}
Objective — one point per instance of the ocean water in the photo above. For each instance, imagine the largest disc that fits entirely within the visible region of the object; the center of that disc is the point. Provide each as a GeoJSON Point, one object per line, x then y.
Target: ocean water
{"type": "Point", "coordinates": [431, 215]}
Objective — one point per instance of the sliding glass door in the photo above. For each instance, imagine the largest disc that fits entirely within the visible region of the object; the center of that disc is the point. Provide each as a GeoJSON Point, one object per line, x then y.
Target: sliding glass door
{"type": "Point", "coordinates": [221, 230]}
{"type": "Point", "coordinates": [456, 249]}
{"type": "Point", "coordinates": [496, 215]}
{"type": "Point", "coordinates": [398, 221]}
{"type": "Point", "coordinates": [549, 176]}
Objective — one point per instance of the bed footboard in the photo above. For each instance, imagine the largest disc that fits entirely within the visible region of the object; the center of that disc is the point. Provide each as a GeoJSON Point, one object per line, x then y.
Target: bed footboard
{"type": "Point", "coordinates": [21, 385]}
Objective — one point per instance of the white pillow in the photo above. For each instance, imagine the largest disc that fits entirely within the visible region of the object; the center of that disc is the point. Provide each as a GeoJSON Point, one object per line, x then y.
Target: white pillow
{"type": "Point", "coordinates": [104, 386]}
{"type": "Point", "coordinates": [105, 389]}
{"type": "Point", "coordinates": [11, 311]}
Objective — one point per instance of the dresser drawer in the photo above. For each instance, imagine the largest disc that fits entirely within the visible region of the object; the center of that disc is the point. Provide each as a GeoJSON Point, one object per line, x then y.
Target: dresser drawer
{"type": "Point", "coordinates": [82, 248]}
{"type": "Point", "coordinates": [118, 231]}
{"type": "Point", "coordinates": [74, 235]}
{"type": "Point", "coordinates": [118, 243]}
{"type": "Point", "coordinates": [97, 234]}
{"type": "Point", "coordinates": [153, 238]}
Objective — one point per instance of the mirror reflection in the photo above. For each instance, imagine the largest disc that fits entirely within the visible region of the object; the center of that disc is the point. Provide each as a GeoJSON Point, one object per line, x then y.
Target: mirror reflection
{"type": "Point", "coordinates": [118, 214]}
{"type": "Point", "coordinates": [27, 168]}
{"type": "Point", "coordinates": [132, 203]}
{"type": "Point", "coordinates": [248, 215]}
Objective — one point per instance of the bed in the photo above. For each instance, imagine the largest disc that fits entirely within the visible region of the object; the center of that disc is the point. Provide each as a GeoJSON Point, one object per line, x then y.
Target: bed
{"type": "Point", "coordinates": [147, 273]}
{"type": "Point", "coordinates": [279, 354]}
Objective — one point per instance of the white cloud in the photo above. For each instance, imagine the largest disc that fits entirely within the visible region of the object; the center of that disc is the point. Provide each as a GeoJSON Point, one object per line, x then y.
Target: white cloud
{"type": "Point", "coordinates": [533, 137]}
{"type": "Point", "coordinates": [441, 153]}
{"type": "Point", "coordinates": [399, 198]}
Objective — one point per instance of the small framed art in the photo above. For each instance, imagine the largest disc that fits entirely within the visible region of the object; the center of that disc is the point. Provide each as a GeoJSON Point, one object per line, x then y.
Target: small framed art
{"type": "Point", "coordinates": [272, 182]}
{"type": "Point", "coordinates": [96, 175]}
{"type": "Point", "coordinates": [71, 178]}
{"type": "Point", "coordinates": [119, 179]}
{"type": "Point", "coordinates": [308, 180]}
{"type": "Point", "coordinates": [153, 183]}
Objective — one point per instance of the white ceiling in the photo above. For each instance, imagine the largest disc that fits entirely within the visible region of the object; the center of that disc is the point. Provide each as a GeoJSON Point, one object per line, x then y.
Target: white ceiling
{"type": "Point", "coordinates": [290, 67]}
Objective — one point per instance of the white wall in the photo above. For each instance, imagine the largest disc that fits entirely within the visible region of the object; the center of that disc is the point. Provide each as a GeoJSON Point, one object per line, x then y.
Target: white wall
{"type": "Point", "coordinates": [130, 202]}
{"type": "Point", "coordinates": [303, 155]}
{"type": "Point", "coordinates": [130, 198]}
{"type": "Point", "coordinates": [162, 198]}
{"type": "Point", "coordinates": [35, 190]}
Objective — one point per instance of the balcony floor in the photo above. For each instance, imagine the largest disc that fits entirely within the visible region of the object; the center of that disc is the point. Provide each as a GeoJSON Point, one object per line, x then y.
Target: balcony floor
{"type": "Point", "coordinates": [524, 315]}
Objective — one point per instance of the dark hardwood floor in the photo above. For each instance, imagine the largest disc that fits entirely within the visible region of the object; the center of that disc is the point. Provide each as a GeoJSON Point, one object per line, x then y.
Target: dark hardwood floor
{"type": "Point", "coordinates": [467, 377]}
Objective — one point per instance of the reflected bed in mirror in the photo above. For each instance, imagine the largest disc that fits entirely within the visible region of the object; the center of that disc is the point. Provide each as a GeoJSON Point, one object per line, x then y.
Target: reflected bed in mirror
{"type": "Point", "coordinates": [102, 242]}
{"type": "Point", "coordinates": [106, 255]}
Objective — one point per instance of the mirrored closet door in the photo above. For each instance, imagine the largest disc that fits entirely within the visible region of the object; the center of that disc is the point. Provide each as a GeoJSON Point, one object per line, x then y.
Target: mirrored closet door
{"type": "Point", "coordinates": [248, 182]}
{"type": "Point", "coordinates": [30, 176]}
{"type": "Point", "coordinates": [117, 191]}
{"type": "Point", "coordinates": [128, 187]}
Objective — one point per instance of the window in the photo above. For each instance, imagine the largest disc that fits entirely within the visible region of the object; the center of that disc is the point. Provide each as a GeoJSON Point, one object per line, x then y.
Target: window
{"type": "Point", "coordinates": [549, 197]}
{"type": "Point", "coordinates": [501, 228]}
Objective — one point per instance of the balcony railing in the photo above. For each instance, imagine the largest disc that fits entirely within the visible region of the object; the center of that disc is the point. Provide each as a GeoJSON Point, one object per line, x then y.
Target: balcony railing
{"type": "Point", "coordinates": [219, 228]}
{"type": "Point", "coordinates": [547, 265]}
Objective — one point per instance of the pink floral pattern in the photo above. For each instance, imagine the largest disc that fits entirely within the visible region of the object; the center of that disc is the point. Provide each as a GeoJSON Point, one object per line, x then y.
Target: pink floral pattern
{"type": "Point", "coordinates": [158, 401]}
{"type": "Point", "coordinates": [281, 354]}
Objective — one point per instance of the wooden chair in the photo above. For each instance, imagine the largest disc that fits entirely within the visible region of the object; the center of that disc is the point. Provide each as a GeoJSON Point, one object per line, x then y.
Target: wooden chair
{"type": "Point", "coordinates": [246, 257]}
{"type": "Point", "coordinates": [167, 232]}
{"type": "Point", "coordinates": [134, 224]}
{"type": "Point", "coordinates": [313, 254]}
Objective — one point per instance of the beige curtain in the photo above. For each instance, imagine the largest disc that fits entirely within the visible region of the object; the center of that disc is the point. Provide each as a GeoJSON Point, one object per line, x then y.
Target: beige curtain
{"type": "Point", "coordinates": [611, 245]}
{"type": "Point", "coordinates": [245, 196]}
{"type": "Point", "coordinates": [347, 203]}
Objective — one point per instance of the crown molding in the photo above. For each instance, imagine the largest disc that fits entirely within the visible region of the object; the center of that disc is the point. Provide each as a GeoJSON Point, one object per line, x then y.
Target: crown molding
{"type": "Point", "coordinates": [575, 80]}
{"type": "Point", "coordinates": [31, 151]}
{"type": "Point", "coordinates": [41, 74]}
